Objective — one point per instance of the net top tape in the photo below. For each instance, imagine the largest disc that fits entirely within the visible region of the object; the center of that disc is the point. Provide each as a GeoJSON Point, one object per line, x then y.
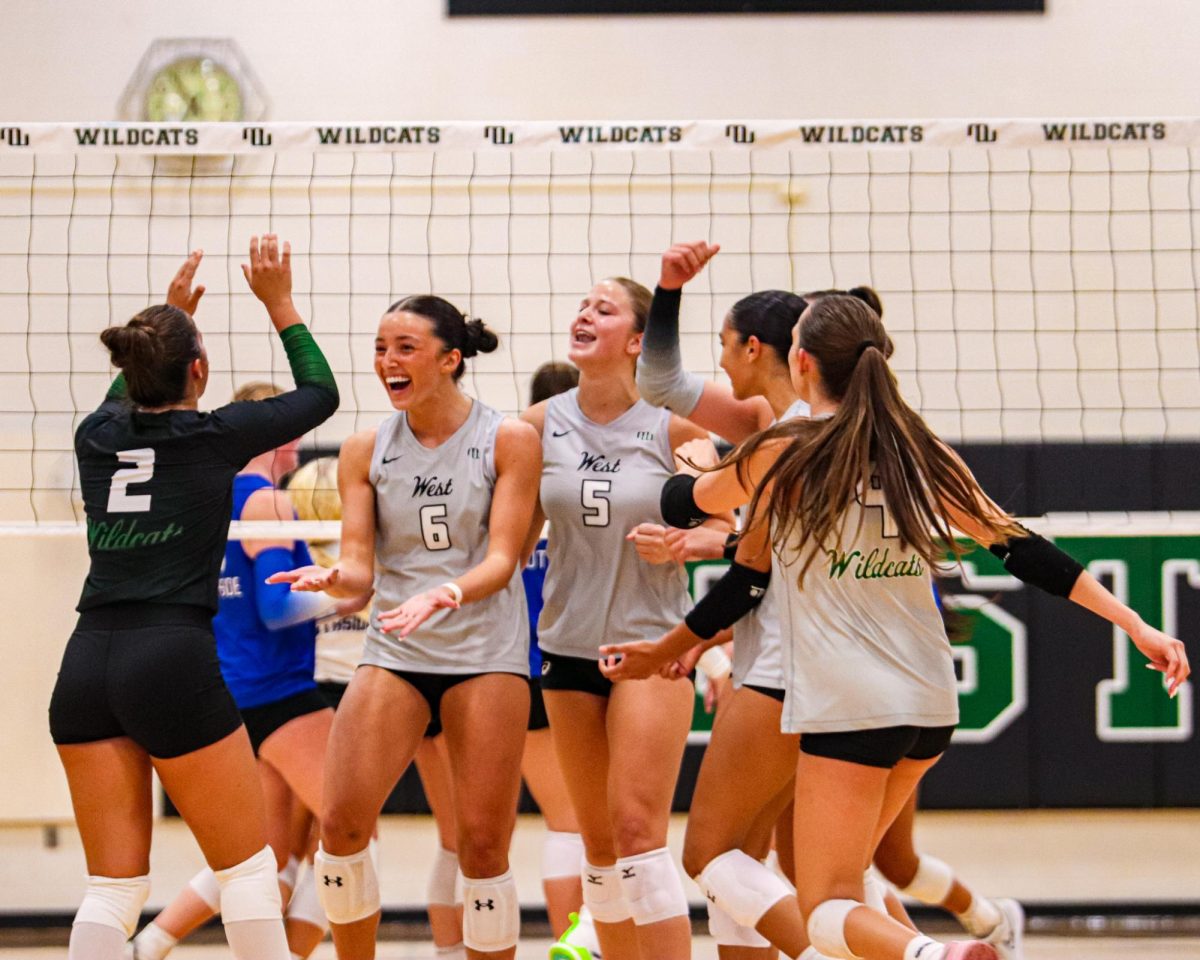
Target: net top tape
{"type": "Point", "coordinates": [416, 137]}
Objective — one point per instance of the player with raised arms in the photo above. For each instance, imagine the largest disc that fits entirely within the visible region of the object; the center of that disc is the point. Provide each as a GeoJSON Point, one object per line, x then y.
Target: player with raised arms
{"type": "Point", "coordinates": [755, 341]}
{"type": "Point", "coordinates": [858, 502]}
{"type": "Point", "coordinates": [606, 453]}
{"type": "Point", "coordinates": [140, 687]}
{"type": "Point", "coordinates": [436, 505]}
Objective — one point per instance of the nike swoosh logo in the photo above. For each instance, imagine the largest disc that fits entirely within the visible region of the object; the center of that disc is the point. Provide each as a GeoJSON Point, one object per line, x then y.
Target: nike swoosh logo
{"type": "Point", "coordinates": [560, 433]}
{"type": "Point", "coordinates": [391, 459]}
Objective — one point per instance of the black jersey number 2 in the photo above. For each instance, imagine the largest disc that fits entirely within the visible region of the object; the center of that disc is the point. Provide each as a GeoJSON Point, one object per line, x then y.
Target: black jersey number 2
{"type": "Point", "coordinates": [434, 529]}
{"type": "Point", "coordinates": [595, 504]}
{"type": "Point", "coordinates": [119, 498]}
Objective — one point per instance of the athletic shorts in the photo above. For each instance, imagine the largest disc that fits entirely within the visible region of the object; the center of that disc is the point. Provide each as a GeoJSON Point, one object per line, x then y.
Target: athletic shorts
{"type": "Point", "coordinates": [882, 747]}
{"type": "Point", "coordinates": [433, 686]}
{"type": "Point", "coordinates": [771, 692]}
{"type": "Point", "coordinates": [332, 692]}
{"type": "Point", "coordinates": [537, 707]}
{"type": "Point", "coordinates": [264, 720]}
{"type": "Point", "coordinates": [574, 673]}
{"type": "Point", "coordinates": [146, 671]}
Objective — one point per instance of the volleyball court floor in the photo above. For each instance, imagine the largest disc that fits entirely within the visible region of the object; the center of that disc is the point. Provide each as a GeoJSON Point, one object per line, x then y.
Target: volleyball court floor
{"type": "Point", "coordinates": [1142, 866]}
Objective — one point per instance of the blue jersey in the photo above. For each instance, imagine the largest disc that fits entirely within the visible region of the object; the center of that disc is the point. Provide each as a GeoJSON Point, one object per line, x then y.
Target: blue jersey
{"type": "Point", "coordinates": [534, 576]}
{"type": "Point", "coordinates": [260, 665]}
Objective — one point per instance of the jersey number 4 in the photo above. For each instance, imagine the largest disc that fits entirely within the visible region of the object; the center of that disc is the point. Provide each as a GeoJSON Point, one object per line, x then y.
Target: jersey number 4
{"type": "Point", "coordinates": [119, 498]}
{"type": "Point", "coordinates": [434, 529]}
{"type": "Point", "coordinates": [874, 500]}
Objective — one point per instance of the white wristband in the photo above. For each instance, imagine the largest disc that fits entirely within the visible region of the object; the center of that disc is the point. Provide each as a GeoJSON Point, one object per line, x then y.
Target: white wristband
{"type": "Point", "coordinates": [455, 590]}
{"type": "Point", "coordinates": [715, 663]}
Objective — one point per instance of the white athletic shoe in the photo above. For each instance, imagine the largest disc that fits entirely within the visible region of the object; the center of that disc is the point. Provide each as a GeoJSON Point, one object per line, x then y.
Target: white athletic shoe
{"type": "Point", "coordinates": [1010, 931]}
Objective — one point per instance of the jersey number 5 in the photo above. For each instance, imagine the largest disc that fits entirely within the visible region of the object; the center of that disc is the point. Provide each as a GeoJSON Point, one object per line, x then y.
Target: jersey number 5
{"type": "Point", "coordinates": [119, 498]}
{"type": "Point", "coordinates": [434, 529]}
{"type": "Point", "coordinates": [595, 505]}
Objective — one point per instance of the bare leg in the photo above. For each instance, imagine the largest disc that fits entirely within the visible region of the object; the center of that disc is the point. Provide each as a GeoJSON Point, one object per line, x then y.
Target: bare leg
{"type": "Point", "coordinates": [445, 919]}
{"type": "Point", "coordinates": [580, 733]}
{"type": "Point", "coordinates": [484, 719]}
{"type": "Point", "coordinates": [539, 766]}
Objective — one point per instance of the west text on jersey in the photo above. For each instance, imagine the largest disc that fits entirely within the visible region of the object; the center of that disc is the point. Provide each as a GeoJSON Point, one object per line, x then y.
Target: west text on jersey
{"type": "Point", "coordinates": [599, 463]}
{"type": "Point", "coordinates": [432, 487]}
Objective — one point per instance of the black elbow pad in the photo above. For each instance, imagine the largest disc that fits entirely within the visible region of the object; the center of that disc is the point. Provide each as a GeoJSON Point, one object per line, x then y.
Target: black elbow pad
{"type": "Point", "coordinates": [1035, 560]}
{"type": "Point", "coordinates": [678, 504]}
{"type": "Point", "coordinates": [739, 591]}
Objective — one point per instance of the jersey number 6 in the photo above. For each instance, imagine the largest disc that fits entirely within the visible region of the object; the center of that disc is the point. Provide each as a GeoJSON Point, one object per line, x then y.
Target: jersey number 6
{"type": "Point", "coordinates": [434, 529]}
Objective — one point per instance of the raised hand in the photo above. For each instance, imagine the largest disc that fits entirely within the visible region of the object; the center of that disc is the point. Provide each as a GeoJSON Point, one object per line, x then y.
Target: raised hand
{"type": "Point", "coordinates": [269, 271]}
{"type": "Point", "coordinates": [180, 293]}
{"type": "Point", "coordinates": [311, 579]}
{"type": "Point", "coordinates": [683, 261]}
{"type": "Point", "coordinates": [404, 619]}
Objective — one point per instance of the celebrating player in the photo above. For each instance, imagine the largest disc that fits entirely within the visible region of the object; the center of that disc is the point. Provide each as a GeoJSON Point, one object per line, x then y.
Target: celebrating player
{"type": "Point", "coordinates": [859, 502]}
{"type": "Point", "coordinates": [436, 505]}
{"type": "Point", "coordinates": [140, 686]}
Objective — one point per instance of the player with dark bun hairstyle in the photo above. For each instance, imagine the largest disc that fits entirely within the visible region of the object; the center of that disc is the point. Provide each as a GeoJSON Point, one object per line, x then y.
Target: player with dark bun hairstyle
{"type": "Point", "coordinates": [140, 687]}
{"type": "Point", "coordinates": [436, 505]}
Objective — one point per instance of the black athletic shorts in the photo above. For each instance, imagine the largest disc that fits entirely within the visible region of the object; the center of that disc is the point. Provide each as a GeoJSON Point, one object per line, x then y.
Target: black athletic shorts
{"type": "Point", "coordinates": [882, 747]}
{"type": "Point", "coordinates": [332, 692]}
{"type": "Point", "coordinates": [264, 720]}
{"type": "Point", "coordinates": [537, 706]}
{"type": "Point", "coordinates": [771, 692]}
{"type": "Point", "coordinates": [147, 671]}
{"type": "Point", "coordinates": [433, 686]}
{"type": "Point", "coordinates": [574, 673]}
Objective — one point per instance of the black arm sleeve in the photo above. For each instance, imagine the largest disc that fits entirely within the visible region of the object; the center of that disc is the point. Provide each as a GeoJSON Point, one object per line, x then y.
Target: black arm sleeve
{"type": "Point", "coordinates": [739, 591]}
{"type": "Point", "coordinates": [662, 325]}
{"type": "Point", "coordinates": [731, 545]}
{"type": "Point", "coordinates": [252, 427]}
{"type": "Point", "coordinates": [1035, 560]}
{"type": "Point", "coordinates": [678, 503]}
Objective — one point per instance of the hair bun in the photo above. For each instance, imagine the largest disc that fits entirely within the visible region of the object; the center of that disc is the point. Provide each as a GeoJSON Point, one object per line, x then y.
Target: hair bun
{"type": "Point", "coordinates": [868, 296]}
{"type": "Point", "coordinates": [131, 343]}
{"type": "Point", "coordinates": [479, 339]}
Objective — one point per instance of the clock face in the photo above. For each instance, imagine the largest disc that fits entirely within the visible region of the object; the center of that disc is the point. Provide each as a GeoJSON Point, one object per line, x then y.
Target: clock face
{"type": "Point", "coordinates": [193, 88]}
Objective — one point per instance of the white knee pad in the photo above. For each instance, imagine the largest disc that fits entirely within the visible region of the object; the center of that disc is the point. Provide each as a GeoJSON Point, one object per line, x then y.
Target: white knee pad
{"type": "Point", "coordinates": [562, 855]}
{"type": "Point", "coordinates": [653, 887]}
{"type": "Point", "coordinates": [287, 876]}
{"type": "Point", "coordinates": [932, 882]}
{"type": "Point", "coordinates": [727, 932]}
{"type": "Point", "coordinates": [874, 893]}
{"type": "Point", "coordinates": [602, 894]}
{"type": "Point", "coordinates": [491, 913]}
{"type": "Point", "coordinates": [304, 905]}
{"type": "Point", "coordinates": [443, 879]}
{"type": "Point", "coordinates": [250, 889]}
{"type": "Point", "coordinates": [827, 928]}
{"type": "Point", "coordinates": [742, 887]}
{"type": "Point", "coordinates": [347, 887]}
{"type": "Point", "coordinates": [114, 902]}
{"type": "Point", "coordinates": [205, 886]}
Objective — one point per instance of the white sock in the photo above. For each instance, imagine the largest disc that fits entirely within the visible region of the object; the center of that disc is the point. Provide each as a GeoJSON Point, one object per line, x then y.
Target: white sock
{"type": "Point", "coordinates": [922, 947]}
{"type": "Point", "coordinates": [153, 943]}
{"type": "Point", "coordinates": [95, 941]}
{"type": "Point", "coordinates": [981, 917]}
{"type": "Point", "coordinates": [259, 939]}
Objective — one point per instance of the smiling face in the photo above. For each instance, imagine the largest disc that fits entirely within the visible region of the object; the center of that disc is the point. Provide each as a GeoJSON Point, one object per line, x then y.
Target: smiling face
{"type": "Point", "coordinates": [603, 329]}
{"type": "Point", "coordinates": [410, 361]}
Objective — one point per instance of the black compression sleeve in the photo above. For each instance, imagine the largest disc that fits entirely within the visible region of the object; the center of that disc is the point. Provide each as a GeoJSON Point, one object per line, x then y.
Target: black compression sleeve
{"type": "Point", "coordinates": [662, 326]}
{"type": "Point", "coordinates": [678, 504]}
{"type": "Point", "coordinates": [739, 591]}
{"type": "Point", "coordinates": [731, 545]}
{"type": "Point", "coordinates": [1035, 560]}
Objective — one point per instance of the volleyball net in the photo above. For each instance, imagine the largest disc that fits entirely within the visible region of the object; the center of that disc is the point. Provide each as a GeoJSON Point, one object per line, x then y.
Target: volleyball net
{"type": "Point", "coordinates": [1039, 278]}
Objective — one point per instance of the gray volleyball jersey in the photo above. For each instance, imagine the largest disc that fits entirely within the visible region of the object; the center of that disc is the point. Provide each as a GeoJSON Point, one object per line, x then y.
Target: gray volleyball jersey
{"type": "Point", "coordinates": [757, 649]}
{"type": "Point", "coordinates": [431, 525]}
{"type": "Point", "coordinates": [864, 646]}
{"type": "Point", "coordinates": [598, 483]}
